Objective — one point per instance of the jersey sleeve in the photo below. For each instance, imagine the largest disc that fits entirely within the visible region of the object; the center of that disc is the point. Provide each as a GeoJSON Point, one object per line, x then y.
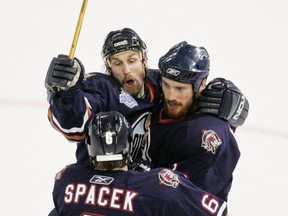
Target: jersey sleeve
{"type": "Point", "coordinates": [69, 112]}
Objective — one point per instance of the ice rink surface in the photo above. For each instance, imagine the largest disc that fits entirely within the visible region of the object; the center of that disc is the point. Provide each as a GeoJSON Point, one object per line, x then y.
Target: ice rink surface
{"type": "Point", "coordinates": [247, 43]}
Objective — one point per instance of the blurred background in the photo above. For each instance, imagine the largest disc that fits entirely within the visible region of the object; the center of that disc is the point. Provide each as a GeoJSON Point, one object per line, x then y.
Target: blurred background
{"type": "Point", "coordinates": [247, 43]}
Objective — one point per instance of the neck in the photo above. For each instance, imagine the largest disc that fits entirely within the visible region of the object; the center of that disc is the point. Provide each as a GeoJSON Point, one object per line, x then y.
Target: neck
{"type": "Point", "coordinates": [124, 168]}
{"type": "Point", "coordinates": [142, 94]}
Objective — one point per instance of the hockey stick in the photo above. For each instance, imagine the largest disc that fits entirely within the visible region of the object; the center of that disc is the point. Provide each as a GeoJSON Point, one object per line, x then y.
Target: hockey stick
{"type": "Point", "coordinates": [78, 28]}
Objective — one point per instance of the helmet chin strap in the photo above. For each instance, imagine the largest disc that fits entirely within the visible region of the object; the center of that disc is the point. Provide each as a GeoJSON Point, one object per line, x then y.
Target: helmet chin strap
{"type": "Point", "coordinates": [144, 60]}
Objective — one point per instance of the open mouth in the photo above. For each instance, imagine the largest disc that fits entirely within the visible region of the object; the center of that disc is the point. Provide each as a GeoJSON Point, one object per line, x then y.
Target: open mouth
{"type": "Point", "coordinates": [130, 83]}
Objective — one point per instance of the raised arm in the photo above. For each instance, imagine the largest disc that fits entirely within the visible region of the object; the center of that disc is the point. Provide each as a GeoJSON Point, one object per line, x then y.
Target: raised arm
{"type": "Point", "coordinates": [69, 109]}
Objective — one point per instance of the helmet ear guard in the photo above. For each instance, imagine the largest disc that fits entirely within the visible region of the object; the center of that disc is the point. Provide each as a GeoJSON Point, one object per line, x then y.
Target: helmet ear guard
{"type": "Point", "coordinates": [185, 63]}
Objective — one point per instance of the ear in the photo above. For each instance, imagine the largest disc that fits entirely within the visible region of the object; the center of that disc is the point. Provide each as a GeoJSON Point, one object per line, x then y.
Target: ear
{"type": "Point", "coordinates": [203, 85]}
{"type": "Point", "coordinates": [145, 62]}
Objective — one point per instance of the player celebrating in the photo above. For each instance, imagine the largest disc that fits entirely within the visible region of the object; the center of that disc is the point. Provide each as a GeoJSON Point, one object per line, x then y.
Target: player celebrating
{"type": "Point", "coordinates": [128, 87]}
{"type": "Point", "coordinates": [107, 188]}
{"type": "Point", "coordinates": [200, 145]}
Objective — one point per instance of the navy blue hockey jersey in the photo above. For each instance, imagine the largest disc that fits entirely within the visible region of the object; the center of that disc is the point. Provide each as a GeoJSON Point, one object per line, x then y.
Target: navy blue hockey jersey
{"type": "Point", "coordinates": [201, 146]}
{"type": "Point", "coordinates": [70, 111]}
{"type": "Point", "coordinates": [79, 191]}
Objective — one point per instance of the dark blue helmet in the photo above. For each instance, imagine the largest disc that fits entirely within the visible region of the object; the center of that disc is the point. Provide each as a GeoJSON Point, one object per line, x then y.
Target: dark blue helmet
{"type": "Point", "coordinates": [120, 41]}
{"type": "Point", "coordinates": [185, 63]}
{"type": "Point", "coordinates": [109, 137]}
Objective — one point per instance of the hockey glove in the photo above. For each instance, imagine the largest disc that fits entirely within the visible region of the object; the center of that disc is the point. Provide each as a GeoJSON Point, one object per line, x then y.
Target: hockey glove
{"type": "Point", "coordinates": [63, 73]}
{"type": "Point", "coordinates": [140, 165]}
{"type": "Point", "coordinates": [222, 98]}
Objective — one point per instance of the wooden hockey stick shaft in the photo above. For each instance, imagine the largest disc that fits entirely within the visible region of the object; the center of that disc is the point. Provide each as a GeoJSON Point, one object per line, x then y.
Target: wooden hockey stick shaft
{"type": "Point", "coordinates": [78, 28]}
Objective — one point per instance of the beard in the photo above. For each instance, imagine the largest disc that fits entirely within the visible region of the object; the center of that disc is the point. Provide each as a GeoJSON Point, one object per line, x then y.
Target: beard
{"type": "Point", "coordinates": [134, 85]}
{"type": "Point", "coordinates": [136, 90]}
{"type": "Point", "coordinates": [180, 112]}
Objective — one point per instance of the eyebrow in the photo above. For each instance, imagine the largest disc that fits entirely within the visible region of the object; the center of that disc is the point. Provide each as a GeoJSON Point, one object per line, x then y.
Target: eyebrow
{"type": "Point", "coordinates": [129, 56]}
{"type": "Point", "coordinates": [178, 85]}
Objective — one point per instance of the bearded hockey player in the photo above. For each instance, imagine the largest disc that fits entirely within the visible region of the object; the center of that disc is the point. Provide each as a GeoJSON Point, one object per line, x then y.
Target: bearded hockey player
{"type": "Point", "coordinates": [128, 87]}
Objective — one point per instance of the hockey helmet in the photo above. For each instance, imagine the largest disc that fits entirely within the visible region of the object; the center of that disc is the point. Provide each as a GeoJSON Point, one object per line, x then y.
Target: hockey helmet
{"type": "Point", "coordinates": [109, 137]}
{"type": "Point", "coordinates": [185, 63]}
{"type": "Point", "coordinates": [120, 41]}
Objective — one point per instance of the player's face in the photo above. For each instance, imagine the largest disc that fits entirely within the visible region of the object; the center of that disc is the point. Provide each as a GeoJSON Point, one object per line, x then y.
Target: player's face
{"type": "Point", "coordinates": [127, 67]}
{"type": "Point", "coordinates": [178, 97]}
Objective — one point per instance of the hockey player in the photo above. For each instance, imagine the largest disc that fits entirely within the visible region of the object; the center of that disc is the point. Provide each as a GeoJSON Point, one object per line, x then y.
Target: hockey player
{"type": "Point", "coordinates": [200, 145]}
{"type": "Point", "coordinates": [108, 188]}
{"type": "Point", "coordinates": [128, 87]}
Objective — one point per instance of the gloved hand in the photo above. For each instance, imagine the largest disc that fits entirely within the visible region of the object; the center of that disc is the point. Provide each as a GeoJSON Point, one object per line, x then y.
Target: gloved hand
{"type": "Point", "coordinates": [140, 165]}
{"type": "Point", "coordinates": [63, 73]}
{"type": "Point", "coordinates": [222, 98]}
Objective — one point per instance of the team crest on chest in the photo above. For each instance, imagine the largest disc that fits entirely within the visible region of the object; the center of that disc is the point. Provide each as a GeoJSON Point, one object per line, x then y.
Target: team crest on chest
{"type": "Point", "coordinates": [127, 99]}
{"type": "Point", "coordinates": [210, 141]}
{"type": "Point", "coordinates": [141, 137]}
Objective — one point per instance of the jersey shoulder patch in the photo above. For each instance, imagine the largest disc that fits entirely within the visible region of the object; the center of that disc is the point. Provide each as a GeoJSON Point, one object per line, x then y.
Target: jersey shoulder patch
{"type": "Point", "coordinates": [59, 175]}
{"type": "Point", "coordinates": [169, 178]}
{"type": "Point", "coordinates": [127, 99]}
{"type": "Point", "coordinates": [210, 141]}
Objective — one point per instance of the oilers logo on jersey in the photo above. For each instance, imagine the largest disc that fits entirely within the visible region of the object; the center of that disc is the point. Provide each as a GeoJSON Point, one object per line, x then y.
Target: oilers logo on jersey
{"type": "Point", "coordinates": [141, 137]}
